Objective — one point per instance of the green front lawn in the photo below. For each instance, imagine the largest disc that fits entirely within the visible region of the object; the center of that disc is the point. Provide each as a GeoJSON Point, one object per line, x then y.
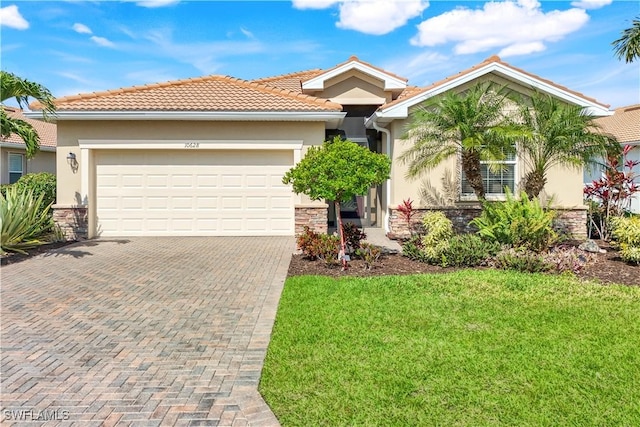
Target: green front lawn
{"type": "Point", "coordinates": [473, 348]}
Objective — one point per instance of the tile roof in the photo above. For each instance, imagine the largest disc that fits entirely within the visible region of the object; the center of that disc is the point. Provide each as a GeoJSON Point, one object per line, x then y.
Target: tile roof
{"type": "Point", "coordinates": [291, 81]}
{"type": "Point", "coordinates": [46, 131]}
{"type": "Point", "coordinates": [624, 124]}
{"type": "Point", "coordinates": [209, 93]}
{"type": "Point", "coordinates": [492, 59]}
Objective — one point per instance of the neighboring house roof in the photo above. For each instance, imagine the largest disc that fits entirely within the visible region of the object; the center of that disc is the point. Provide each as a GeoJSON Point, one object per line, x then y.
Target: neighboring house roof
{"type": "Point", "coordinates": [46, 131]}
{"type": "Point", "coordinates": [203, 94]}
{"type": "Point", "coordinates": [399, 107]}
{"type": "Point", "coordinates": [291, 81]}
{"type": "Point", "coordinates": [624, 124]}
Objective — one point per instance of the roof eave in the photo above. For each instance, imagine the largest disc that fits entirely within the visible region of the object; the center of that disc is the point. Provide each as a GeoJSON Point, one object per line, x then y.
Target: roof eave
{"type": "Point", "coordinates": [19, 146]}
{"type": "Point", "coordinates": [63, 115]}
{"type": "Point", "coordinates": [401, 109]}
{"type": "Point", "coordinates": [390, 82]}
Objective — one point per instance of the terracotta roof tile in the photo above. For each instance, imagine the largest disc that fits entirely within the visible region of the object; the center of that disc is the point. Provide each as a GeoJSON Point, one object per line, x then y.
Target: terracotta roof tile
{"type": "Point", "coordinates": [624, 124]}
{"type": "Point", "coordinates": [487, 61]}
{"type": "Point", "coordinates": [210, 93]}
{"type": "Point", "coordinates": [46, 131]}
{"type": "Point", "coordinates": [291, 81]}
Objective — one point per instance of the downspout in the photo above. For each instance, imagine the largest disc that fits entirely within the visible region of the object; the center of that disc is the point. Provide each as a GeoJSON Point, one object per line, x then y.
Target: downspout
{"type": "Point", "coordinates": [387, 132]}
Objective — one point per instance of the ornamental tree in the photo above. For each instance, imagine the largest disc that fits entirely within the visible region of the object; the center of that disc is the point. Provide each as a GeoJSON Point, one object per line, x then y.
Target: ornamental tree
{"type": "Point", "coordinates": [337, 171]}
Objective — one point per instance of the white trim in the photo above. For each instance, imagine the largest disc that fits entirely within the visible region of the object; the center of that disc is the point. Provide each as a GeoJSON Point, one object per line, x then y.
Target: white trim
{"type": "Point", "coordinates": [401, 110]}
{"type": "Point", "coordinates": [296, 116]}
{"type": "Point", "coordinates": [390, 82]}
{"type": "Point", "coordinates": [84, 175]}
{"type": "Point", "coordinates": [187, 144]}
{"type": "Point", "coordinates": [19, 146]}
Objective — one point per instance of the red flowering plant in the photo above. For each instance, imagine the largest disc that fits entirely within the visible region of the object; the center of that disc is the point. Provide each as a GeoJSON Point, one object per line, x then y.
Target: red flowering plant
{"type": "Point", "coordinates": [407, 212]}
{"type": "Point", "coordinates": [610, 195]}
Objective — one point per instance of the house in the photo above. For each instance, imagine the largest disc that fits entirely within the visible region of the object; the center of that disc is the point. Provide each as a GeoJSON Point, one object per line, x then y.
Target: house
{"type": "Point", "coordinates": [205, 156]}
{"type": "Point", "coordinates": [13, 158]}
{"type": "Point", "coordinates": [624, 125]}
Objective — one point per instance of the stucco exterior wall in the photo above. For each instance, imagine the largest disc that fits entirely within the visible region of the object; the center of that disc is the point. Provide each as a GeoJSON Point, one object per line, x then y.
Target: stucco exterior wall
{"type": "Point", "coordinates": [564, 185]}
{"type": "Point", "coordinates": [70, 132]}
{"type": "Point", "coordinates": [44, 161]}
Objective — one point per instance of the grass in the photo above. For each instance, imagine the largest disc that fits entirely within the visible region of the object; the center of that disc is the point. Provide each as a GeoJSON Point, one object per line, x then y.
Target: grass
{"type": "Point", "coordinates": [472, 348]}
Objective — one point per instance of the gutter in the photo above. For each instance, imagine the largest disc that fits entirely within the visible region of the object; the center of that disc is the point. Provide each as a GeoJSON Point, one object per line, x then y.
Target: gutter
{"type": "Point", "coordinates": [372, 122]}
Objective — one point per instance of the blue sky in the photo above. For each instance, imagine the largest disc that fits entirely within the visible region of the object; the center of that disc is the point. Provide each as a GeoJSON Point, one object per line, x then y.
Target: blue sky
{"type": "Point", "coordinates": [84, 46]}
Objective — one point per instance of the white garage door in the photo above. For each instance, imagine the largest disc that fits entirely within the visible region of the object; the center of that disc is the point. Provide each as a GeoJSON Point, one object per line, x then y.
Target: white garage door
{"type": "Point", "coordinates": [193, 193]}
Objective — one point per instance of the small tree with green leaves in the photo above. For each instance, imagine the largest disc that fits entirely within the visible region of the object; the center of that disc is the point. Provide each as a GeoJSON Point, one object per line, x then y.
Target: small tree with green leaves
{"type": "Point", "coordinates": [338, 170]}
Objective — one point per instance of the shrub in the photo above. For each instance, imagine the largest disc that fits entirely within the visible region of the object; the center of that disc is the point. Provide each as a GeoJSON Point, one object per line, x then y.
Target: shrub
{"type": "Point", "coordinates": [370, 254]}
{"type": "Point", "coordinates": [467, 250]}
{"type": "Point", "coordinates": [523, 260]}
{"type": "Point", "coordinates": [567, 259]}
{"type": "Point", "coordinates": [626, 232]}
{"type": "Point", "coordinates": [40, 183]}
{"type": "Point", "coordinates": [522, 223]}
{"type": "Point", "coordinates": [438, 230]}
{"type": "Point", "coordinates": [412, 249]}
{"type": "Point", "coordinates": [318, 246]}
{"type": "Point", "coordinates": [24, 220]}
{"type": "Point", "coordinates": [407, 212]}
{"type": "Point", "coordinates": [352, 236]}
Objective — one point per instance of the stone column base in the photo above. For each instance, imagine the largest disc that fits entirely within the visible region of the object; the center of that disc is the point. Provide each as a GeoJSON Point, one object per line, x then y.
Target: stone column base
{"type": "Point", "coordinates": [72, 220]}
{"type": "Point", "coordinates": [312, 216]}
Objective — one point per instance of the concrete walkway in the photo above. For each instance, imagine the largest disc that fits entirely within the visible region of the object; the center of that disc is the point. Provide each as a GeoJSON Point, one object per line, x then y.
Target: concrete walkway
{"type": "Point", "coordinates": [141, 332]}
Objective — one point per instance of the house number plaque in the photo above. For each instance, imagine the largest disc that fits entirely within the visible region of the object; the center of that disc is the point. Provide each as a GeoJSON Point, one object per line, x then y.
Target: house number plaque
{"type": "Point", "coordinates": [191, 145]}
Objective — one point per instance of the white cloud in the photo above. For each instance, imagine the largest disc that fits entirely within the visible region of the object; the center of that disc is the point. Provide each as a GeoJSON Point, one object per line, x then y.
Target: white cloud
{"type": "Point", "coordinates": [81, 28]}
{"type": "Point", "coordinates": [102, 41]}
{"type": "Point", "coordinates": [375, 17]}
{"type": "Point", "coordinates": [156, 3]}
{"type": "Point", "coordinates": [591, 4]}
{"type": "Point", "coordinates": [247, 33]}
{"type": "Point", "coordinates": [10, 17]}
{"type": "Point", "coordinates": [517, 27]}
{"type": "Point", "coordinates": [313, 4]}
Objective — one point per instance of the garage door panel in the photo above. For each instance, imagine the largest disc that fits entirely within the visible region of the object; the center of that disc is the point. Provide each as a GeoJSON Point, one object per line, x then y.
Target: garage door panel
{"type": "Point", "coordinates": [193, 193]}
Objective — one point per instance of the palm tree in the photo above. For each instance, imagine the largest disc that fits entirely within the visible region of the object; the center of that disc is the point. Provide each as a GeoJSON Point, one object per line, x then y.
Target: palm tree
{"type": "Point", "coordinates": [470, 124]}
{"type": "Point", "coordinates": [560, 135]}
{"type": "Point", "coordinates": [628, 46]}
{"type": "Point", "coordinates": [12, 86]}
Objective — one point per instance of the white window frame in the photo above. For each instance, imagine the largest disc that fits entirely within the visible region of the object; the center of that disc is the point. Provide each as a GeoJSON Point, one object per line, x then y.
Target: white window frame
{"type": "Point", "coordinates": [22, 166]}
{"type": "Point", "coordinates": [465, 197]}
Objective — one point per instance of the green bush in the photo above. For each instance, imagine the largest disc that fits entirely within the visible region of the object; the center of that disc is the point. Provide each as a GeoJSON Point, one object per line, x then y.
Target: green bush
{"type": "Point", "coordinates": [626, 232]}
{"type": "Point", "coordinates": [467, 250]}
{"type": "Point", "coordinates": [24, 220]}
{"type": "Point", "coordinates": [370, 254]}
{"type": "Point", "coordinates": [519, 223]}
{"type": "Point", "coordinates": [438, 230]}
{"type": "Point", "coordinates": [522, 260]}
{"type": "Point", "coordinates": [412, 249]}
{"type": "Point", "coordinates": [40, 183]}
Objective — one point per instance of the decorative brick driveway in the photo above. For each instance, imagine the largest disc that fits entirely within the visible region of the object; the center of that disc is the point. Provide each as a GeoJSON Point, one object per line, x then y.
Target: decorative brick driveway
{"type": "Point", "coordinates": [141, 331]}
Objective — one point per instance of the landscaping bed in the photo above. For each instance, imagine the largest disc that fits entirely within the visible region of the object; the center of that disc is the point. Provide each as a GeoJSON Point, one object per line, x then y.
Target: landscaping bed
{"type": "Point", "coordinates": [605, 268]}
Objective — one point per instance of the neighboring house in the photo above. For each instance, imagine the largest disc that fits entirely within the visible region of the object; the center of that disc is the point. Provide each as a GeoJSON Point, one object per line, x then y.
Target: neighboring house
{"type": "Point", "coordinates": [206, 156]}
{"type": "Point", "coordinates": [13, 159]}
{"type": "Point", "coordinates": [624, 125]}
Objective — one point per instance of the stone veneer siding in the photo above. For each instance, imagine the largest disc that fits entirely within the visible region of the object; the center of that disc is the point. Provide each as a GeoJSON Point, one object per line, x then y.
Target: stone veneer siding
{"type": "Point", "coordinates": [72, 220]}
{"type": "Point", "coordinates": [569, 222]}
{"type": "Point", "coordinates": [315, 217]}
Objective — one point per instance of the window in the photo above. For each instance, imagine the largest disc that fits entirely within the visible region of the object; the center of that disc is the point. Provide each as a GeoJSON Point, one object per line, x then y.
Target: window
{"type": "Point", "coordinates": [16, 167]}
{"type": "Point", "coordinates": [494, 182]}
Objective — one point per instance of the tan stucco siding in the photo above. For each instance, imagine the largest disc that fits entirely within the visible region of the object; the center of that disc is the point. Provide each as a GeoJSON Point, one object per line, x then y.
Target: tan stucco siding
{"type": "Point", "coordinates": [70, 132]}
{"type": "Point", "coordinates": [354, 90]}
{"type": "Point", "coordinates": [564, 185]}
{"type": "Point", "coordinates": [44, 161]}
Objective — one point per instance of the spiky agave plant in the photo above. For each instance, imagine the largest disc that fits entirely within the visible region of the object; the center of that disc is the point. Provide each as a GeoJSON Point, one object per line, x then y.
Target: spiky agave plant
{"type": "Point", "coordinates": [24, 222]}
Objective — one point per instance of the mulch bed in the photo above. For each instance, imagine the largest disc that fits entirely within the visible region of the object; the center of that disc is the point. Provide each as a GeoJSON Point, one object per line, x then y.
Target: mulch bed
{"type": "Point", "coordinates": [604, 268]}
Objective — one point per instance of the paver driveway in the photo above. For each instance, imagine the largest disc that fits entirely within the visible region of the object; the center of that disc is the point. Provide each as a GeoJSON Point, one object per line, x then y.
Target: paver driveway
{"type": "Point", "coordinates": [141, 331]}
